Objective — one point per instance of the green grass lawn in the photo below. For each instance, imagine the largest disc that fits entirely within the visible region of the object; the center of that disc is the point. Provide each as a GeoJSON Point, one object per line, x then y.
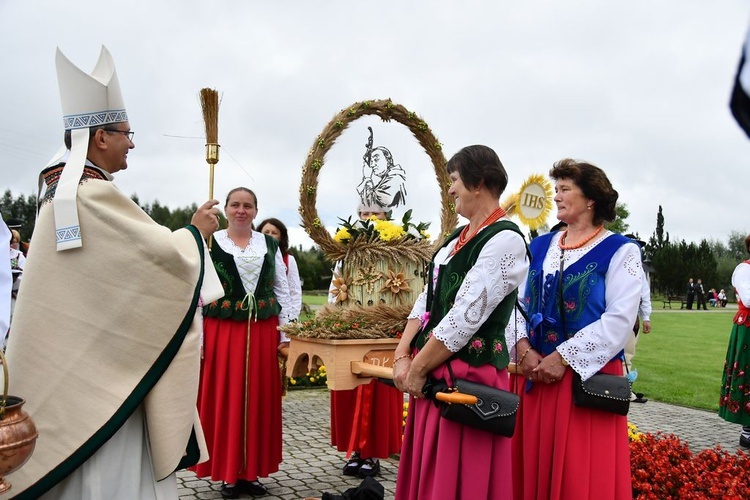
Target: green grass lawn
{"type": "Point", "coordinates": [314, 299]}
{"type": "Point", "coordinates": [682, 359]}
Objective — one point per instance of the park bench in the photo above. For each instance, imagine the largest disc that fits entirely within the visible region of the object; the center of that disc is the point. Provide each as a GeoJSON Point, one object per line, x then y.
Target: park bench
{"type": "Point", "coordinates": [677, 299]}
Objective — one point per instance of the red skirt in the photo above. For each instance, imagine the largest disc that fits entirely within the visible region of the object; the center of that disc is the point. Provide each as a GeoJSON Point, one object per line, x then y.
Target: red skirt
{"type": "Point", "coordinates": [242, 429]}
{"type": "Point", "coordinates": [368, 420]}
{"type": "Point", "coordinates": [565, 452]}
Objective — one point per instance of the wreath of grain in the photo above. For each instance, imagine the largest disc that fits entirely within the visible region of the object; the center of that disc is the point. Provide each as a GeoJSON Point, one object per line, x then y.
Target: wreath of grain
{"type": "Point", "coordinates": [372, 248]}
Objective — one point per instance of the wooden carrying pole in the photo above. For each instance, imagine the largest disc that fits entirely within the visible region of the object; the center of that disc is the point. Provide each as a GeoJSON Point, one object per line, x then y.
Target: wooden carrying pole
{"type": "Point", "coordinates": [368, 370]}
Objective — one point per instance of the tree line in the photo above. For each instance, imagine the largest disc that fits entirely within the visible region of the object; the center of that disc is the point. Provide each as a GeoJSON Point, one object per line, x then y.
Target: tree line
{"type": "Point", "coordinates": [673, 262]}
{"type": "Point", "coordinates": [314, 269]}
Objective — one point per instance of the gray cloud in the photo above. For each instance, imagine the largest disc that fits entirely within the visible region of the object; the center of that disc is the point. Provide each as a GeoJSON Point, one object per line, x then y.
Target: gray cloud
{"type": "Point", "coordinates": [639, 88]}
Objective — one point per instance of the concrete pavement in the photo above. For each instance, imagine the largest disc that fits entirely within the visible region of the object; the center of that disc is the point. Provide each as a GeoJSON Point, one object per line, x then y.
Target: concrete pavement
{"type": "Point", "coordinates": [311, 466]}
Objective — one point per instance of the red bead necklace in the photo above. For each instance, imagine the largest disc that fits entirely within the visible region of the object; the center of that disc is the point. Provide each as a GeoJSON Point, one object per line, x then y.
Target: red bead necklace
{"type": "Point", "coordinates": [579, 245]}
{"type": "Point", "coordinates": [464, 237]}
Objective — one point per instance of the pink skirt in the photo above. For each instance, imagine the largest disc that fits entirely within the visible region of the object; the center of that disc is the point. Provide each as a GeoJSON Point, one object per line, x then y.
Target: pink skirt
{"type": "Point", "coordinates": [564, 452]}
{"type": "Point", "coordinates": [441, 459]}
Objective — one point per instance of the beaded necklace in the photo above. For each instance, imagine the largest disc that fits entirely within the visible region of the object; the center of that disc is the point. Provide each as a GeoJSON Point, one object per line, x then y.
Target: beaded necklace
{"type": "Point", "coordinates": [582, 243]}
{"type": "Point", "coordinates": [465, 237]}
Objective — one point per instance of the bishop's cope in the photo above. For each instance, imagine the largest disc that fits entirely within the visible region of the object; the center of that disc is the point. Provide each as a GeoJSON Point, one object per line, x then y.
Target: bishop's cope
{"type": "Point", "coordinates": [106, 333]}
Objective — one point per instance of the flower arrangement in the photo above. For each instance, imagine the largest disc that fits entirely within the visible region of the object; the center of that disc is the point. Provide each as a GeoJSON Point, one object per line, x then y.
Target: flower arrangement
{"type": "Point", "coordinates": [314, 378]}
{"type": "Point", "coordinates": [663, 467]}
{"type": "Point", "coordinates": [377, 229]}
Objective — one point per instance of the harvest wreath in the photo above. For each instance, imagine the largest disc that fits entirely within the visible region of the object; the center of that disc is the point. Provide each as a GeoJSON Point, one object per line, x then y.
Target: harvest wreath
{"type": "Point", "coordinates": [382, 263]}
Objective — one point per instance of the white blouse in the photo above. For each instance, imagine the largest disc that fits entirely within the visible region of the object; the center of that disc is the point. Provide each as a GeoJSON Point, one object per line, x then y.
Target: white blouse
{"type": "Point", "coordinates": [249, 261]}
{"type": "Point", "coordinates": [500, 268]}
{"type": "Point", "coordinates": [741, 282]}
{"type": "Point", "coordinates": [295, 288]}
{"type": "Point", "coordinates": [596, 344]}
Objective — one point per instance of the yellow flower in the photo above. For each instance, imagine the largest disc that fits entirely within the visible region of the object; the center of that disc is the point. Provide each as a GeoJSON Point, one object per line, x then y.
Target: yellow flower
{"type": "Point", "coordinates": [387, 230]}
{"type": "Point", "coordinates": [292, 381]}
{"type": "Point", "coordinates": [342, 235]}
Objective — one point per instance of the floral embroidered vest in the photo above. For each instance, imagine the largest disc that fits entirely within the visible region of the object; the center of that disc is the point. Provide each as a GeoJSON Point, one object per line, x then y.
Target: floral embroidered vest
{"type": "Point", "coordinates": [582, 290]}
{"type": "Point", "coordinates": [488, 343]}
{"type": "Point", "coordinates": [233, 304]}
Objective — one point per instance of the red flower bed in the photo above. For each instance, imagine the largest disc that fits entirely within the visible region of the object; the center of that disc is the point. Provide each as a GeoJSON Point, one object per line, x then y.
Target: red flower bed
{"type": "Point", "coordinates": [663, 467]}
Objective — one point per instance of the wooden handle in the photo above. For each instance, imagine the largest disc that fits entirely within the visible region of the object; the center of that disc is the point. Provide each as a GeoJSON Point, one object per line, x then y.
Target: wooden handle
{"type": "Point", "coordinates": [456, 398]}
{"type": "Point", "coordinates": [369, 370]}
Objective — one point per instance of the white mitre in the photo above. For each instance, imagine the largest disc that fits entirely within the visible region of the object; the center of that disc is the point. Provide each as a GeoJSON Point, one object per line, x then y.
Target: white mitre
{"type": "Point", "coordinates": [88, 100]}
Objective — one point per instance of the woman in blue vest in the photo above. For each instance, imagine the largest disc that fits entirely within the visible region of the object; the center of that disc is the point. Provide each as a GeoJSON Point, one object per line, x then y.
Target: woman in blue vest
{"type": "Point", "coordinates": [239, 398]}
{"type": "Point", "coordinates": [582, 293]}
{"type": "Point", "coordinates": [460, 319]}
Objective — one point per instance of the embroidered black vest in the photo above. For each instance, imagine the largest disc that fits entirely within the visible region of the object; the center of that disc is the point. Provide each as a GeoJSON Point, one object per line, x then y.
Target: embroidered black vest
{"type": "Point", "coordinates": [488, 343]}
{"type": "Point", "coordinates": [233, 304]}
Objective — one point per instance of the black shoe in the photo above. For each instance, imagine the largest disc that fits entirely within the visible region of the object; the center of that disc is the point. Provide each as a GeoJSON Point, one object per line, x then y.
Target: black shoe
{"type": "Point", "coordinates": [369, 467]}
{"type": "Point", "coordinates": [638, 394]}
{"type": "Point", "coordinates": [744, 441]}
{"type": "Point", "coordinates": [253, 488]}
{"type": "Point", "coordinates": [640, 400]}
{"type": "Point", "coordinates": [228, 491]}
{"type": "Point", "coordinates": [352, 466]}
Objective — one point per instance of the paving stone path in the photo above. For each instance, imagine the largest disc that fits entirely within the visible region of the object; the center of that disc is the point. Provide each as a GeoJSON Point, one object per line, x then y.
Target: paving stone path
{"type": "Point", "coordinates": [311, 466]}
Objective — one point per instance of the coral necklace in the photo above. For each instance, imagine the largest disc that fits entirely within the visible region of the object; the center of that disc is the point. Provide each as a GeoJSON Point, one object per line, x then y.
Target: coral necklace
{"type": "Point", "coordinates": [582, 243]}
{"type": "Point", "coordinates": [464, 237]}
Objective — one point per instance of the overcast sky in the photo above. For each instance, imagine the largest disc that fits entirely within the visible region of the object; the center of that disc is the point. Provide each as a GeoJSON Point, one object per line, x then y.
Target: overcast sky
{"type": "Point", "coordinates": [639, 88]}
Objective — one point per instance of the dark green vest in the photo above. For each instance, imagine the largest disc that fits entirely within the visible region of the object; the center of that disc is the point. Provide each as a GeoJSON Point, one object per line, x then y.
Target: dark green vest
{"type": "Point", "coordinates": [488, 343]}
{"type": "Point", "coordinates": [231, 304]}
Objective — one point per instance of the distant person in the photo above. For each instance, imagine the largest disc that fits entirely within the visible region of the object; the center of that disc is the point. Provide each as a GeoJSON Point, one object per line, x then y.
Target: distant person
{"type": "Point", "coordinates": [17, 263]}
{"type": "Point", "coordinates": [690, 293]}
{"type": "Point", "coordinates": [370, 416]}
{"type": "Point", "coordinates": [722, 298]}
{"type": "Point", "coordinates": [278, 231]}
{"type": "Point", "coordinates": [734, 403]}
{"type": "Point", "coordinates": [713, 298]}
{"type": "Point", "coordinates": [6, 281]}
{"type": "Point", "coordinates": [644, 319]}
{"type": "Point", "coordinates": [700, 294]}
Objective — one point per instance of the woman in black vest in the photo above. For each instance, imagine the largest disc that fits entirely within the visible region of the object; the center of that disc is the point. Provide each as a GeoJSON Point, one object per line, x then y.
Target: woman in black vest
{"type": "Point", "coordinates": [460, 318]}
{"type": "Point", "coordinates": [239, 398]}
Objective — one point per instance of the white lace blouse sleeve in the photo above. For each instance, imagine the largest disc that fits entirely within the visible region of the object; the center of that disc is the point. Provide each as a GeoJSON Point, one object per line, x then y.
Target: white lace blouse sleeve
{"type": "Point", "coordinates": [596, 344]}
{"type": "Point", "coordinates": [644, 308]}
{"type": "Point", "coordinates": [295, 288]}
{"type": "Point", "coordinates": [281, 291]}
{"type": "Point", "coordinates": [420, 305]}
{"type": "Point", "coordinates": [741, 282]}
{"type": "Point", "coordinates": [516, 329]}
{"type": "Point", "coordinates": [499, 269]}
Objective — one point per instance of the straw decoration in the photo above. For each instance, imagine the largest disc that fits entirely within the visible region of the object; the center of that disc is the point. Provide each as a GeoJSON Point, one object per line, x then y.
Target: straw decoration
{"type": "Point", "coordinates": [210, 106]}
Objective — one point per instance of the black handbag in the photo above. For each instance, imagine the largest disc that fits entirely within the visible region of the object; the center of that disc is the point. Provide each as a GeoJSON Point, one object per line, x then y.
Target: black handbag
{"type": "Point", "coordinates": [602, 392]}
{"type": "Point", "coordinates": [495, 409]}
